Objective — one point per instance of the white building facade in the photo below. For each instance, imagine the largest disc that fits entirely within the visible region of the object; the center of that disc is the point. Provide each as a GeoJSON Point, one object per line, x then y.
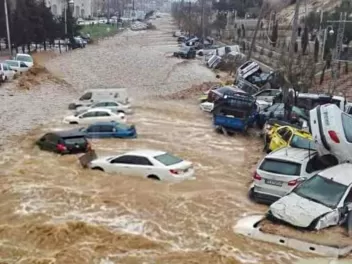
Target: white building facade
{"type": "Point", "coordinates": [80, 8]}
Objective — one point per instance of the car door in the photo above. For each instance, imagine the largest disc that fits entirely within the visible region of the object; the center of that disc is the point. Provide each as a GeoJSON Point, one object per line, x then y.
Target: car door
{"type": "Point", "coordinates": [87, 118]}
{"type": "Point", "coordinates": [142, 166]}
{"type": "Point", "coordinates": [112, 105]}
{"type": "Point", "coordinates": [278, 138]}
{"type": "Point", "coordinates": [123, 165]}
{"type": "Point", "coordinates": [104, 116]}
{"type": "Point", "coordinates": [93, 131]}
{"type": "Point", "coordinates": [106, 131]}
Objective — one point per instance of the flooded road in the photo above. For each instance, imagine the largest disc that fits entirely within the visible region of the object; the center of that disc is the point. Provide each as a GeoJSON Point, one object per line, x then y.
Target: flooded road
{"type": "Point", "coordinates": [53, 211]}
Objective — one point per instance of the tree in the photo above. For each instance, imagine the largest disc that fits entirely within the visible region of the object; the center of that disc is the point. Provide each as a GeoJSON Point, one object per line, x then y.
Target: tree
{"type": "Point", "coordinates": [304, 40]}
{"type": "Point", "coordinates": [316, 49]}
{"type": "Point", "coordinates": [275, 33]}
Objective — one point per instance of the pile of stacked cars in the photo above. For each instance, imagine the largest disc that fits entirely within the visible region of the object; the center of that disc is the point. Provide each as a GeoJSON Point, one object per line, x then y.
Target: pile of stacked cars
{"type": "Point", "coordinates": [103, 114]}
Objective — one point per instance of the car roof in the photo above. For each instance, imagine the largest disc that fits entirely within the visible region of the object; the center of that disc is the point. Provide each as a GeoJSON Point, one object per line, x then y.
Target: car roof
{"type": "Point", "coordinates": [23, 54]}
{"type": "Point", "coordinates": [145, 152]}
{"type": "Point", "coordinates": [99, 109]}
{"type": "Point", "coordinates": [291, 154]}
{"type": "Point", "coordinates": [67, 133]}
{"type": "Point", "coordinates": [104, 124]}
{"type": "Point", "coordinates": [339, 173]}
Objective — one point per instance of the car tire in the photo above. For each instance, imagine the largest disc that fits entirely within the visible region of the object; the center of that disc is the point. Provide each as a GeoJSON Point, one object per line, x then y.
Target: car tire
{"type": "Point", "coordinates": [251, 195]}
{"type": "Point", "coordinates": [98, 168]}
{"type": "Point", "coordinates": [200, 54]}
{"type": "Point", "coordinates": [153, 177]}
{"type": "Point", "coordinates": [73, 123]}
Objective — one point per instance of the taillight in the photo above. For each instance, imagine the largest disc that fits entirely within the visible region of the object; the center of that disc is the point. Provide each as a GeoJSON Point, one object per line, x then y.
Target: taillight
{"type": "Point", "coordinates": [256, 176]}
{"type": "Point", "coordinates": [174, 171]}
{"type": "Point", "coordinates": [61, 147]}
{"type": "Point", "coordinates": [334, 136]}
{"type": "Point", "coordinates": [292, 183]}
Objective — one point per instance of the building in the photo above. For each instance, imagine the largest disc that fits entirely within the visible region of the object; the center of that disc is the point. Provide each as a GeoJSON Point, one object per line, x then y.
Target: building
{"type": "Point", "coordinates": [81, 8]}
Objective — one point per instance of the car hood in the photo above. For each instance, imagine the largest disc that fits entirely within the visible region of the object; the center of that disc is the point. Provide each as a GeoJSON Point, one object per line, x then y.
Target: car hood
{"type": "Point", "coordinates": [70, 117]}
{"type": "Point", "coordinates": [297, 210]}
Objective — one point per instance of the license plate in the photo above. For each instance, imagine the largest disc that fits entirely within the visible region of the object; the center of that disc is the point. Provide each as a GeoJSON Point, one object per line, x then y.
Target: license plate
{"type": "Point", "coordinates": [272, 182]}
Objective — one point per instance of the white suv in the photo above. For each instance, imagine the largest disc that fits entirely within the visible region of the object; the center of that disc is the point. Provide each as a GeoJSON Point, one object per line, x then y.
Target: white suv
{"type": "Point", "coordinates": [282, 170]}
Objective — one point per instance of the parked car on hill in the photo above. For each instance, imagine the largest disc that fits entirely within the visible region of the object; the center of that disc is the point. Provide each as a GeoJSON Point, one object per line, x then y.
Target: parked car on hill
{"type": "Point", "coordinates": [282, 170]}
{"type": "Point", "coordinates": [151, 164]}
{"type": "Point", "coordinates": [95, 115]}
{"type": "Point", "coordinates": [64, 142]}
{"type": "Point", "coordinates": [108, 130]}
{"type": "Point", "coordinates": [186, 53]}
{"type": "Point", "coordinates": [332, 132]}
{"type": "Point", "coordinates": [323, 200]}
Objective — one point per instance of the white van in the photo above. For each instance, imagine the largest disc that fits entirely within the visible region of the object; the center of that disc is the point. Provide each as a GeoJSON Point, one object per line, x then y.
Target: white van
{"type": "Point", "coordinates": [96, 95]}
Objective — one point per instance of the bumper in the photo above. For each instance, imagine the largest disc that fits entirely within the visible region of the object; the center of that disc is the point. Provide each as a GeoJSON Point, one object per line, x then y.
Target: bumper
{"type": "Point", "coordinates": [262, 197]}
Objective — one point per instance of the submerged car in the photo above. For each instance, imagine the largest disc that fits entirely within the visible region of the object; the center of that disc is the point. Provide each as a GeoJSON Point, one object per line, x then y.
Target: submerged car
{"type": "Point", "coordinates": [95, 115]}
{"type": "Point", "coordinates": [323, 200]}
{"type": "Point", "coordinates": [151, 164]}
{"type": "Point", "coordinates": [283, 136]}
{"type": "Point", "coordinates": [186, 53]}
{"type": "Point", "coordinates": [64, 142]}
{"type": "Point", "coordinates": [109, 130]}
{"type": "Point", "coordinates": [282, 170]}
{"type": "Point", "coordinates": [332, 132]}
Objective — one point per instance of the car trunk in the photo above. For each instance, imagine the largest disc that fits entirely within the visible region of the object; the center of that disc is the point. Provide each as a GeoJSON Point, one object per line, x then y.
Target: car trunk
{"type": "Point", "coordinates": [76, 144]}
{"type": "Point", "coordinates": [277, 176]}
{"type": "Point", "coordinates": [181, 167]}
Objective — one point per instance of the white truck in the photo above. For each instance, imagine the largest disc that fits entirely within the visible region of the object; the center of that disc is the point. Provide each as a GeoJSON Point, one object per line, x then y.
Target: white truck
{"type": "Point", "coordinates": [92, 96]}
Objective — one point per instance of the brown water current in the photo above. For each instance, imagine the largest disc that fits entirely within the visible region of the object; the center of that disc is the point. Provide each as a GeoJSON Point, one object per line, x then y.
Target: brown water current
{"type": "Point", "coordinates": [53, 211]}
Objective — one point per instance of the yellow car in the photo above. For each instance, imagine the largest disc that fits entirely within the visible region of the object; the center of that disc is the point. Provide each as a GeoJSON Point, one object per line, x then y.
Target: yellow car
{"type": "Point", "coordinates": [284, 136]}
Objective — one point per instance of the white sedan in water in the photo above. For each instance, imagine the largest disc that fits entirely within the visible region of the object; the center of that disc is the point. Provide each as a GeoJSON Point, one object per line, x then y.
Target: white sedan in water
{"type": "Point", "coordinates": [152, 164]}
{"type": "Point", "coordinates": [95, 115]}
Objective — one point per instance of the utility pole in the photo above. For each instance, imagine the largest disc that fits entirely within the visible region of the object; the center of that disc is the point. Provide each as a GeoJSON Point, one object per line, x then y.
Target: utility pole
{"type": "Point", "coordinates": [189, 17]}
{"type": "Point", "coordinates": [8, 28]}
{"type": "Point", "coordinates": [337, 51]}
{"type": "Point", "coordinates": [260, 17]}
{"type": "Point", "coordinates": [202, 19]}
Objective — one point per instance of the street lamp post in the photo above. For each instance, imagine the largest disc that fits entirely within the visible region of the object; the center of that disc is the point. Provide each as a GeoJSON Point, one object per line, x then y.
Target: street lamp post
{"type": "Point", "coordinates": [331, 32]}
{"type": "Point", "coordinates": [8, 28]}
{"type": "Point", "coordinates": [67, 6]}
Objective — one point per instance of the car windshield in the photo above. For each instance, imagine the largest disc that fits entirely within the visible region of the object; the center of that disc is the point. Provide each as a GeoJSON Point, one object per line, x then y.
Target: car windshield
{"type": "Point", "coordinates": [302, 143]}
{"type": "Point", "coordinates": [281, 167]}
{"type": "Point", "coordinates": [75, 140]}
{"type": "Point", "coordinates": [322, 190]}
{"type": "Point", "coordinates": [168, 159]}
{"type": "Point", "coordinates": [12, 63]}
{"type": "Point", "coordinates": [24, 58]}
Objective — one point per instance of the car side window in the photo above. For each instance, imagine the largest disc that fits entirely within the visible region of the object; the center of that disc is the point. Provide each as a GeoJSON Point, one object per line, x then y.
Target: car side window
{"type": "Point", "coordinates": [86, 96]}
{"type": "Point", "coordinates": [124, 160]}
{"type": "Point", "coordinates": [319, 163]}
{"type": "Point", "coordinates": [89, 114]}
{"type": "Point", "coordinates": [350, 111]}
{"type": "Point", "coordinates": [142, 161]}
{"type": "Point", "coordinates": [111, 104]}
{"type": "Point", "coordinates": [101, 113]}
{"type": "Point", "coordinates": [5, 67]}
{"type": "Point", "coordinates": [52, 138]}
{"type": "Point", "coordinates": [274, 92]}
{"type": "Point", "coordinates": [348, 198]}
{"type": "Point", "coordinates": [282, 131]}
{"type": "Point", "coordinates": [106, 128]}
{"type": "Point", "coordinates": [287, 135]}
{"type": "Point", "coordinates": [23, 65]}
{"type": "Point", "coordinates": [93, 129]}
{"type": "Point", "coordinates": [100, 104]}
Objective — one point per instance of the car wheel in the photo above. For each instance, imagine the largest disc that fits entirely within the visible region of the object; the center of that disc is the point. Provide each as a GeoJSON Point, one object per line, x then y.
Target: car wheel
{"type": "Point", "coordinates": [200, 54]}
{"type": "Point", "coordinates": [73, 123]}
{"type": "Point", "coordinates": [153, 177]}
{"type": "Point", "coordinates": [251, 194]}
{"type": "Point", "coordinates": [97, 168]}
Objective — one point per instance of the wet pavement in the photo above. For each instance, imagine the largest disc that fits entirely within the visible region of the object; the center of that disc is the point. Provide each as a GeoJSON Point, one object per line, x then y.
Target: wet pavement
{"type": "Point", "coordinates": [53, 211]}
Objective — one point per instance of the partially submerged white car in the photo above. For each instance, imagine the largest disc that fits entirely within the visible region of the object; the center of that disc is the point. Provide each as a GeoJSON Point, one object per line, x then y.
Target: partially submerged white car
{"type": "Point", "coordinates": [331, 129]}
{"type": "Point", "coordinates": [152, 164]}
{"type": "Point", "coordinates": [108, 104]}
{"type": "Point", "coordinates": [322, 201]}
{"type": "Point", "coordinates": [95, 115]}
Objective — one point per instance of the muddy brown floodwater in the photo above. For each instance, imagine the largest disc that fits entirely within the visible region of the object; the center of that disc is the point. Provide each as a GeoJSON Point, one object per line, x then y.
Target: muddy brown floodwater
{"type": "Point", "coordinates": [53, 211]}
